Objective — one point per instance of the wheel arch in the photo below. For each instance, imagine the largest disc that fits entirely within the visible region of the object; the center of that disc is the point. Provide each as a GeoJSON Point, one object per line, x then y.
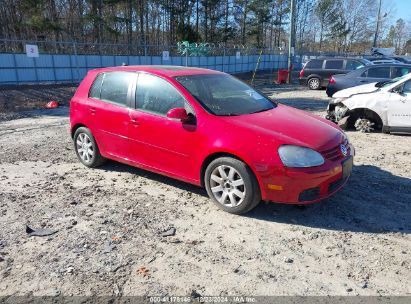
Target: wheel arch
{"type": "Point", "coordinates": [75, 127]}
{"type": "Point", "coordinates": [314, 76]}
{"type": "Point", "coordinates": [216, 155]}
{"type": "Point", "coordinates": [354, 113]}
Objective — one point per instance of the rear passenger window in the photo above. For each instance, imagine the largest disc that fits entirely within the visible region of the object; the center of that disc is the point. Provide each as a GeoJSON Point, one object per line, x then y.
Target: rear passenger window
{"type": "Point", "coordinates": [156, 95]}
{"type": "Point", "coordinates": [96, 87]}
{"type": "Point", "coordinates": [333, 64]}
{"type": "Point", "coordinates": [314, 64]}
{"type": "Point", "coordinates": [353, 65]}
{"type": "Point", "coordinates": [115, 86]}
{"type": "Point", "coordinates": [379, 72]}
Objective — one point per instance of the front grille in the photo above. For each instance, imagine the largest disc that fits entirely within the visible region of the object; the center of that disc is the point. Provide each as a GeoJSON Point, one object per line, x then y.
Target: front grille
{"type": "Point", "coordinates": [309, 194]}
{"type": "Point", "coordinates": [335, 152]}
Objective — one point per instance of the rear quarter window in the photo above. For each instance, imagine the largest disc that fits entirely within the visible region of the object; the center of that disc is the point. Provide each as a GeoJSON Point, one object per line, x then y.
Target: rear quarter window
{"type": "Point", "coordinates": [334, 64]}
{"type": "Point", "coordinates": [314, 64]}
{"type": "Point", "coordinates": [96, 87]}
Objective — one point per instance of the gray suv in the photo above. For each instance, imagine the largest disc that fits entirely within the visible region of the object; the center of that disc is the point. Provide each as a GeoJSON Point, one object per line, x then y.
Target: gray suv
{"type": "Point", "coordinates": [316, 72]}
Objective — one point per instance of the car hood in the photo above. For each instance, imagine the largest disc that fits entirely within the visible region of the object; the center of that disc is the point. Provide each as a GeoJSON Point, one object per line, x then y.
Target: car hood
{"type": "Point", "coordinates": [366, 88]}
{"type": "Point", "coordinates": [288, 125]}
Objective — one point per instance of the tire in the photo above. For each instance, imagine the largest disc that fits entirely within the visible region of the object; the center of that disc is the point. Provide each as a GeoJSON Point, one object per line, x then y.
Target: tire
{"type": "Point", "coordinates": [364, 125]}
{"type": "Point", "coordinates": [366, 121]}
{"type": "Point", "coordinates": [83, 139]}
{"type": "Point", "coordinates": [314, 83]}
{"type": "Point", "coordinates": [231, 185]}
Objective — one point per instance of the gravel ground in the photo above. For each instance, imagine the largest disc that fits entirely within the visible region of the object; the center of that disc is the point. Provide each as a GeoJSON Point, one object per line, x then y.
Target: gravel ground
{"type": "Point", "coordinates": [109, 222]}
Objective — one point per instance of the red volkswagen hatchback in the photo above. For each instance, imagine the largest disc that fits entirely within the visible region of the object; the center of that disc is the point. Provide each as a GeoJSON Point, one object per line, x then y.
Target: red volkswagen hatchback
{"type": "Point", "coordinates": [209, 129]}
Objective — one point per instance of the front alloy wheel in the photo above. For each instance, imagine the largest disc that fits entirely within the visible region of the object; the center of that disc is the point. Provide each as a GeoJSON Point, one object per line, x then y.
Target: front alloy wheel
{"type": "Point", "coordinates": [232, 185]}
{"type": "Point", "coordinates": [227, 186]}
{"type": "Point", "coordinates": [364, 125]}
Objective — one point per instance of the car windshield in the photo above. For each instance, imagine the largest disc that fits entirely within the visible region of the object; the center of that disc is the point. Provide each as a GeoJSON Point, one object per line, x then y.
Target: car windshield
{"type": "Point", "coordinates": [384, 84]}
{"type": "Point", "coordinates": [224, 95]}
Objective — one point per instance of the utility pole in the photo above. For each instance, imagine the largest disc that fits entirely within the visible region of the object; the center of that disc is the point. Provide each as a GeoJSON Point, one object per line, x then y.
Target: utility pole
{"type": "Point", "coordinates": [291, 39]}
{"type": "Point", "coordinates": [378, 25]}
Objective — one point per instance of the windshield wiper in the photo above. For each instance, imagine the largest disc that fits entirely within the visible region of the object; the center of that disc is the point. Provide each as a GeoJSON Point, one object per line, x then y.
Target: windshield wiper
{"type": "Point", "coordinates": [229, 114]}
{"type": "Point", "coordinates": [259, 111]}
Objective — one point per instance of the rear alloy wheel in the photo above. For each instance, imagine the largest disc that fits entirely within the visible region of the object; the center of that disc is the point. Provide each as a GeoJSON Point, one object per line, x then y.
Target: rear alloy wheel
{"type": "Point", "coordinates": [364, 125]}
{"type": "Point", "coordinates": [232, 185]}
{"type": "Point", "coordinates": [86, 148]}
{"type": "Point", "coordinates": [314, 83]}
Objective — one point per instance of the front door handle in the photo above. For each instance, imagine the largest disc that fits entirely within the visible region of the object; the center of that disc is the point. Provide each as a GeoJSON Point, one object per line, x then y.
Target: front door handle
{"type": "Point", "coordinates": [134, 121]}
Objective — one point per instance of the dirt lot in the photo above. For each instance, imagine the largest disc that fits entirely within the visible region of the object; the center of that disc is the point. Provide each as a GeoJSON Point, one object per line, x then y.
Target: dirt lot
{"type": "Point", "coordinates": [109, 222]}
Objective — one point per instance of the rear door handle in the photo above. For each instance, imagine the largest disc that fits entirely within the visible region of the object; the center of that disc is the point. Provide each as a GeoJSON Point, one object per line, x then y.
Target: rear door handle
{"type": "Point", "coordinates": [93, 111]}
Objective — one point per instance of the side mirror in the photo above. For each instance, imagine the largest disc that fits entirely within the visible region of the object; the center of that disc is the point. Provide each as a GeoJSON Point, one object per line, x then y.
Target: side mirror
{"type": "Point", "coordinates": [178, 114]}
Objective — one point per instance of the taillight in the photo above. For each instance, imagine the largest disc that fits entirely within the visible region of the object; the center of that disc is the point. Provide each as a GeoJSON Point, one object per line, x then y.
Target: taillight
{"type": "Point", "coordinates": [331, 81]}
{"type": "Point", "coordinates": [302, 73]}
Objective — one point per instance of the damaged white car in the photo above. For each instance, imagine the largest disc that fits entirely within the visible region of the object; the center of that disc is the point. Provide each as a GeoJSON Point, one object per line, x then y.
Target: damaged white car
{"type": "Point", "coordinates": [378, 106]}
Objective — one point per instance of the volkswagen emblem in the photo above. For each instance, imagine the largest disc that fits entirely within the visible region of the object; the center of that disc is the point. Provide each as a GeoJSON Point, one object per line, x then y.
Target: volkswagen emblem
{"type": "Point", "coordinates": [344, 150]}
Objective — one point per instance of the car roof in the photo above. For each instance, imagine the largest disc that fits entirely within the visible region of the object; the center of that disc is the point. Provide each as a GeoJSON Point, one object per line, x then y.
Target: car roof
{"type": "Point", "coordinates": [164, 70]}
{"type": "Point", "coordinates": [336, 58]}
{"type": "Point", "coordinates": [395, 65]}
{"type": "Point", "coordinates": [372, 58]}
{"type": "Point", "coordinates": [379, 65]}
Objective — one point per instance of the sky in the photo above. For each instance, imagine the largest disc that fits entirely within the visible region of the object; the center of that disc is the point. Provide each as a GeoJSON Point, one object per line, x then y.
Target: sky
{"type": "Point", "coordinates": [402, 8]}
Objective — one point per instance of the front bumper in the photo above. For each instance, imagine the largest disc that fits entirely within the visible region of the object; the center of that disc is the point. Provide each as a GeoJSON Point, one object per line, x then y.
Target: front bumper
{"type": "Point", "coordinates": [308, 185]}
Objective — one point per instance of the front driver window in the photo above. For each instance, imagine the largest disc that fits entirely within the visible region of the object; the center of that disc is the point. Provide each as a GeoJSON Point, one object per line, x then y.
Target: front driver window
{"type": "Point", "coordinates": [407, 87]}
{"type": "Point", "coordinates": [156, 95]}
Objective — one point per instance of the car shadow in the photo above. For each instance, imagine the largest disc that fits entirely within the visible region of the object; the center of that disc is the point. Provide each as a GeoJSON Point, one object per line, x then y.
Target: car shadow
{"type": "Point", "coordinates": [119, 167]}
{"type": "Point", "coordinates": [373, 201]}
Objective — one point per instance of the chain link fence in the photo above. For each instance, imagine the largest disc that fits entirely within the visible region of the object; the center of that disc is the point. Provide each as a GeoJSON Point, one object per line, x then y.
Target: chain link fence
{"type": "Point", "coordinates": [68, 62]}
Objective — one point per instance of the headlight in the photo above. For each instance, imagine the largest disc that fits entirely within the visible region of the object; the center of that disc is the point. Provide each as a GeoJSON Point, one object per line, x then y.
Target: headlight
{"type": "Point", "coordinates": [299, 157]}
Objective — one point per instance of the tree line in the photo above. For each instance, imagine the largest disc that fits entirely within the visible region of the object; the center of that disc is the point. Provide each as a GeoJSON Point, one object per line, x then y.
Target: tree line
{"type": "Point", "coordinates": [326, 25]}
